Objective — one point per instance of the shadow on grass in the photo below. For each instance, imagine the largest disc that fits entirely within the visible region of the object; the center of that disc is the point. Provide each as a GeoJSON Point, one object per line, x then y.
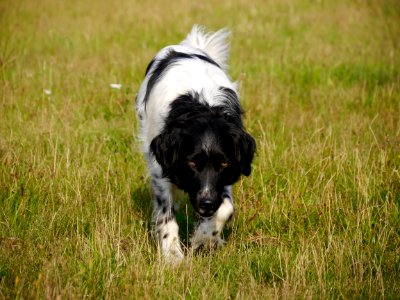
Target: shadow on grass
{"type": "Point", "coordinates": [143, 203]}
{"type": "Point", "coordinates": [142, 198]}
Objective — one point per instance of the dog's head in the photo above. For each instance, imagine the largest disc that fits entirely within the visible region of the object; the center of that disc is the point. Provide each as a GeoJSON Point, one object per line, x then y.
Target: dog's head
{"type": "Point", "coordinates": [202, 155]}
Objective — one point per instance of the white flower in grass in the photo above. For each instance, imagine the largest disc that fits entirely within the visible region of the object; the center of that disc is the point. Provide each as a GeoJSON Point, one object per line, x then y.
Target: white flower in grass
{"type": "Point", "coordinates": [47, 92]}
{"type": "Point", "coordinates": [116, 86]}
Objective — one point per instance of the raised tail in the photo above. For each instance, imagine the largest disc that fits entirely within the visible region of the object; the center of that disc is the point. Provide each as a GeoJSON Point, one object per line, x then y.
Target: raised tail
{"type": "Point", "coordinates": [215, 44]}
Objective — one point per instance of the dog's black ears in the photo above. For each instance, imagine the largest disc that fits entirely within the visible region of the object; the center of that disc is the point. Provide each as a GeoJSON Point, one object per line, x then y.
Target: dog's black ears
{"type": "Point", "coordinates": [245, 147]}
{"type": "Point", "coordinates": [166, 148]}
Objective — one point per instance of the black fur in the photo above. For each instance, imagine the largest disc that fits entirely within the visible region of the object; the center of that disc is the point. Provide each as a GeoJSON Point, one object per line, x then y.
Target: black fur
{"type": "Point", "coordinates": [202, 149]}
{"type": "Point", "coordinates": [149, 66]}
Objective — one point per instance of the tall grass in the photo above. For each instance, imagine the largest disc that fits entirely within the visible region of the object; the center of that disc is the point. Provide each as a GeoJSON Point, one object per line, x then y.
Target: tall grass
{"type": "Point", "coordinates": [319, 216]}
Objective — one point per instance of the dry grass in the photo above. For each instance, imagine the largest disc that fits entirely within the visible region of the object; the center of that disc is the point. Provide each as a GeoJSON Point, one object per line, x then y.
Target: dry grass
{"type": "Point", "coordinates": [319, 216]}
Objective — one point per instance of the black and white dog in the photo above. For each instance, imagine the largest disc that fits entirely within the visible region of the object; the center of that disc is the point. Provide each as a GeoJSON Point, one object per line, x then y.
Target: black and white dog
{"type": "Point", "coordinates": [193, 136]}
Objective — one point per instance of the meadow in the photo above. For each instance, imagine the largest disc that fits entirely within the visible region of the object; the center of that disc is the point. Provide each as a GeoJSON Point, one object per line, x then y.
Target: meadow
{"type": "Point", "coordinates": [319, 217]}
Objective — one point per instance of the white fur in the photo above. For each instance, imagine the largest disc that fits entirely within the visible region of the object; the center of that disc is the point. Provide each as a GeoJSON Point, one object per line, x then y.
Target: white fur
{"type": "Point", "coordinates": [187, 75]}
{"type": "Point", "coordinates": [170, 246]}
{"type": "Point", "coordinates": [214, 44]}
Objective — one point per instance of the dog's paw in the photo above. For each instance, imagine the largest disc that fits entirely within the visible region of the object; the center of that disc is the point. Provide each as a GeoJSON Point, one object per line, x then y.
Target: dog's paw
{"type": "Point", "coordinates": [172, 251]}
{"type": "Point", "coordinates": [173, 256]}
{"type": "Point", "coordinates": [169, 243]}
{"type": "Point", "coordinates": [206, 241]}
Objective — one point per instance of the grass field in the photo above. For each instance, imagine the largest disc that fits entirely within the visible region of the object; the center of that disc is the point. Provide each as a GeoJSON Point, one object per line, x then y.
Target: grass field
{"type": "Point", "coordinates": [318, 218]}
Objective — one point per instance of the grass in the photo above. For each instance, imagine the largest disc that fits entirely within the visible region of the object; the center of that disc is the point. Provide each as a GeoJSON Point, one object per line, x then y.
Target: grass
{"type": "Point", "coordinates": [318, 218]}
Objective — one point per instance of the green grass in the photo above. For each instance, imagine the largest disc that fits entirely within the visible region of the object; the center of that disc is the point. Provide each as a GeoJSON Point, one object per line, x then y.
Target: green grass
{"type": "Point", "coordinates": [318, 218]}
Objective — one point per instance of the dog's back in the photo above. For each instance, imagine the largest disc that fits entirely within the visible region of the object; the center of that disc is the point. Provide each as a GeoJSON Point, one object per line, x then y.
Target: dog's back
{"type": "Point", "coordinates": [198, 64]}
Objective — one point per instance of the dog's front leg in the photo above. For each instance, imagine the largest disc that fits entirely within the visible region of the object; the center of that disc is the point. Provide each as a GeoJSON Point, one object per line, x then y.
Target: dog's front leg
{"type": "Point", "coordinates": [166, 227]}
{"type": "Point", "coordinates": [208, 231]}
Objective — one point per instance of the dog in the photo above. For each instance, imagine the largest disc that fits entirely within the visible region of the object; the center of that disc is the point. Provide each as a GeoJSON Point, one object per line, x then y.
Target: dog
{"type": "Point", "coordinates": [193, 137]}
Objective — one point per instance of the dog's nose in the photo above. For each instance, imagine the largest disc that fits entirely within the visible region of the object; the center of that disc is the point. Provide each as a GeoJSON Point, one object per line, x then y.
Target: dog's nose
{"type": "Point", "coordinates": [207, 205]}
{"type": "Point", "coordinates": [207, 208]}
{"type": "Point", "coordinates": [206, 202]}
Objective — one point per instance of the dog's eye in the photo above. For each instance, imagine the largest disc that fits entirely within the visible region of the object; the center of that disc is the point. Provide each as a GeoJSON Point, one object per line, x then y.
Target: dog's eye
{"type": "Point", "coordinates": [191, 164]}
{"type": "Point", "coordinates": [224, 164]}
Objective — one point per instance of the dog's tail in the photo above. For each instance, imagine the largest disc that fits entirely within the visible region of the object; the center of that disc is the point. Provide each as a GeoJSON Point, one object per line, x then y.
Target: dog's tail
{"type": "Point", "coordinates": [215, 44]}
